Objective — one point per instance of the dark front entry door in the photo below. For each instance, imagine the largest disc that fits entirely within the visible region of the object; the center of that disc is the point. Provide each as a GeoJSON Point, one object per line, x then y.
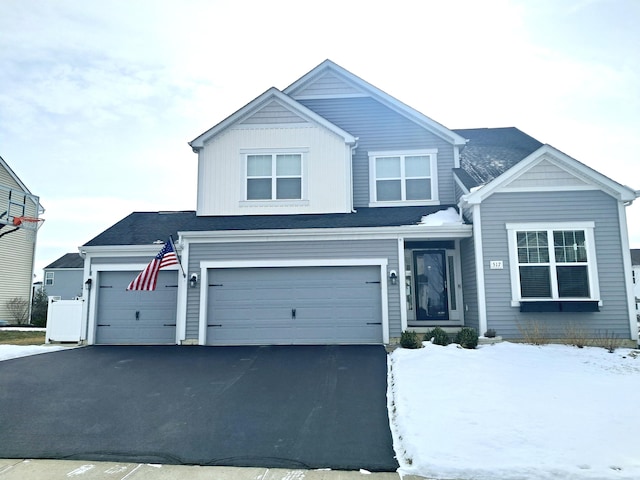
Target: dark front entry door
{"type": "Point", "coordinates": [431, 285]}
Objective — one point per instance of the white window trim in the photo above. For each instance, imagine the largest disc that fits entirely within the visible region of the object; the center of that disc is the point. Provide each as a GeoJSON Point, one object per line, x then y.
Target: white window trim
{"type": "Point", "coordinates": [303, 201]}
{"type": "Point", "coordinates": [46, 279]}
{"type": "Point", "coordinates": [431, 152]}
{"type": "Point", "coordinates": [592, 264]}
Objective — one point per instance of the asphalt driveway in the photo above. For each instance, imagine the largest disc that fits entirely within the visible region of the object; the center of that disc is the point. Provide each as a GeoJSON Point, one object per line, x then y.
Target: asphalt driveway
{"type": "Point", "coordinates": [275, 406]}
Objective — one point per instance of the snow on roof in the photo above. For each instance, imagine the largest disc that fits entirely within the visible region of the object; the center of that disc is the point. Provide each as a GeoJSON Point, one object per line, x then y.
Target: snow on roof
{"type": "Point", "coordinates": [442, 217]}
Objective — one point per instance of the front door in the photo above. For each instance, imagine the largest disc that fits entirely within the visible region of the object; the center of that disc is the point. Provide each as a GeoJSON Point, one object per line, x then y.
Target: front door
{"type": "Point", "coordinates": [430, 273]}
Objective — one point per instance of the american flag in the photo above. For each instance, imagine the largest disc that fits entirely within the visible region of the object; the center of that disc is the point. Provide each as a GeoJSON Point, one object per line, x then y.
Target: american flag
{"type": "Point", "coordinates": [146, 280]}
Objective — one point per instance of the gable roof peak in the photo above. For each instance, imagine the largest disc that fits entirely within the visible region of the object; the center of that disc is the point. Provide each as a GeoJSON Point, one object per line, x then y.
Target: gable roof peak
{"type": "Point", "coordinates": [297, 91]}
{"type": "Point", "coordinates": [269, 95]}
{"type": "Point", "coordinates": [551, 154]}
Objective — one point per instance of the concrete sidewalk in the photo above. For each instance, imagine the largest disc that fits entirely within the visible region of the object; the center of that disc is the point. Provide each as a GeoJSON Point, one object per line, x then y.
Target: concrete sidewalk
{"type": "Point", "coordinates": [16, 469]}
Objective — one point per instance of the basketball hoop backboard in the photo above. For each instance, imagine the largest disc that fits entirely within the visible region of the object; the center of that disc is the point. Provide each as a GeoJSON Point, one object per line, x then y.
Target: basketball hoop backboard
{"type": "Point", "coordinates": [18, 209]}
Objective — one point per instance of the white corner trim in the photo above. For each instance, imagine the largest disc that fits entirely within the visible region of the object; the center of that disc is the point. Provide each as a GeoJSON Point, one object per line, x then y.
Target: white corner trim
{"type": "Point", "coordinates": [627, 269]}
{"type": "Point", "coordinates": [183, 285]}
{"type": "Point", "coordinates": [87, 313]}
{"type": "Point", "coordinates": [204, 295]}
{"type": "Point", "coordinates": [479, 254]}
{"type": "Point", "coordinates": [401, 284]}
{"type": "Point", "coordinates": [205, 265]}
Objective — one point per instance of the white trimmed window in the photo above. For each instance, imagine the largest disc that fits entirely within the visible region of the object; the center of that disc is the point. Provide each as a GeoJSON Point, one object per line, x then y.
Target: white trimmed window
{"type": "Point", "coordinates": [48, 279]}
{"type": "Point", "coordinates": [553, 262]}
{"type": "Point", "coordinates": [407, 177]}
{"type": "Point", "coordinates": [274, 176]}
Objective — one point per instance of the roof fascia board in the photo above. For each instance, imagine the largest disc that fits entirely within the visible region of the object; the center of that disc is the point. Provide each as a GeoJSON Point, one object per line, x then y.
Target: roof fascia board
{"type": "Point", "coordinates": [122, 250]}
{"type": "Point", "coordinates": [459, 183]}
{"type": "Point", "coordinates": [271, 94]}
{"type": "Point", "coordinates": [384, 98]}
{"type": "Point", "coordinates": [320, 234]}
{"type": "Point", "coordinates": [560, 159]}
{"type": "Point", "coordinates": [66, 269]}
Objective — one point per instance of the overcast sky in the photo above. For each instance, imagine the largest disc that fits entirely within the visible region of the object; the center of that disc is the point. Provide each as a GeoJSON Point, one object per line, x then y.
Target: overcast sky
{"type": "Point", "coordinates": [99, 99]}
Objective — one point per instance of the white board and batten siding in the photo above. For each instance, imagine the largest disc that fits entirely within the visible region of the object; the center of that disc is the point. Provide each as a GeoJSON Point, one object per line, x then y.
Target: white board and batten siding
{"type": "Point", "coordinates": [555, 206]}
{"type": "Point", "coordinates": [326, 162]}
{"type": "Point", "coordinates": [340, 252]}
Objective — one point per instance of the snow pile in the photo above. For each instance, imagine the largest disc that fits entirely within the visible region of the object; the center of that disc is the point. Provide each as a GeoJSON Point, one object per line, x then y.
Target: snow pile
{"type": "Point", "coordinates": [15, 351]}
{"type": "Point", "coordinates": [510, 411]}
{"type": "Point", "coordinates": [441, 217]}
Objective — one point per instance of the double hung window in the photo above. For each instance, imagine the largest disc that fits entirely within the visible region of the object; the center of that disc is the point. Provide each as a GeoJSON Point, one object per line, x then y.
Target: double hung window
{"type": "Point", "coordinates": [553, 263]}
{"type": "Point", "coordinates": [274, 176]}
{"type": "Point", "coordinates": [408, 177]}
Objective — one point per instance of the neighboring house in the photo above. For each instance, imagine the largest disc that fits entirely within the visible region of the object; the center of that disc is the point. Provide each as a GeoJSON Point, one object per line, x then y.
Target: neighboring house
{"type": "Point", "coordinates": [63, 278]}
{"type": "Point", "coordinates": [330, 212]}
{"type": "Point", "coordinates": [635, 264]}
{"type": "Point", "coordinates": [17, 247]}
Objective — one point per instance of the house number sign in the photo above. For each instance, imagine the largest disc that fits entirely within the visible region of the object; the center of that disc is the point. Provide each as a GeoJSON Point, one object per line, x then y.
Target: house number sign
{"type": "Point", "coordinates": [496, 265]}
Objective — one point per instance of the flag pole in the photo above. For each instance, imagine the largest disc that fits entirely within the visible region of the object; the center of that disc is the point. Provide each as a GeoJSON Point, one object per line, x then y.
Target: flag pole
{"type": "Point", "coordinates": [184, 275]}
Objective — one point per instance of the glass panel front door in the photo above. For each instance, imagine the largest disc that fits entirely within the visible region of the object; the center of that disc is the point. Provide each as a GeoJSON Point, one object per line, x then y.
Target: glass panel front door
{"type": "Point", "coordinates": [430, 285]}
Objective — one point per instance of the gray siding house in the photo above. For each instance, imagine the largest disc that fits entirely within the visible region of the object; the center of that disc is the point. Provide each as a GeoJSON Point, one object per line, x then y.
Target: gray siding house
{"type": "Point", "coordinates": [329, 212]}
{"type": "Point", "coordinates": [63, 277]}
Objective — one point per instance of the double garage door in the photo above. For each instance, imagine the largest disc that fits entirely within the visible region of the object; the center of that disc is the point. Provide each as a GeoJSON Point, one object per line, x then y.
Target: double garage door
{"type": "Point", "coordinates": [294, 305]}
{"type": "Point", "coordinates": [136, 317]}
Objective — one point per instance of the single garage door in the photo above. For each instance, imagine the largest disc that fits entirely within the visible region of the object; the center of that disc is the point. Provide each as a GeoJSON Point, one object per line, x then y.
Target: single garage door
{"type": "Point", "coordinates": [136, 317]}
{"type": "Point", "coordinates": [294, 305]}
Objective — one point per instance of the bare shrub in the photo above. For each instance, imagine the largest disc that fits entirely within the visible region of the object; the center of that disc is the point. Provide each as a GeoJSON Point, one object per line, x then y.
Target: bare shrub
{"type": "Point", "coordinates": [607, 340]}
{"type": "Point", "coordinates": [576, 335]}
{"type": "Point", "coordinates": [18, 308]}
{"type": "Point", "coordinates": [534, 332]}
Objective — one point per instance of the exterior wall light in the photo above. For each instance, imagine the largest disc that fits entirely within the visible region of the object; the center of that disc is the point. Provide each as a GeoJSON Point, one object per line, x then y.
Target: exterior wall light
{"type": "Point", "coordinates": [193, 280]}
{"type": "Point", "coordinates": [393, 276]}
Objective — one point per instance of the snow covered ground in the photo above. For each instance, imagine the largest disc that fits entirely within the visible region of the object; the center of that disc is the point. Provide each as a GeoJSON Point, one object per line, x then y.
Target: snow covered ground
{"type": "Point", "coordinates": [512, 411]}
{"type": "Point", "coordinates": [507, 411]}
{"type": "Point", "coordinates": [15, 351]}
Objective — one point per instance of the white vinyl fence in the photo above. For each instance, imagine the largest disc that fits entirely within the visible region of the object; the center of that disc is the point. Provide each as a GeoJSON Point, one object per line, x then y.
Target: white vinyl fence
{"type": "Point", "coordinates": [64, 318]}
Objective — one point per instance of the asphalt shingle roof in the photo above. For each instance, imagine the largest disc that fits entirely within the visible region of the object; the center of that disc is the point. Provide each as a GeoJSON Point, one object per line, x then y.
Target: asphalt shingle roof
{"type": "Point", "coordinates": [488, 153]}
{"type": "Point", "coordinates": [141, 228]}
{"type": "Point", "coordinates": [492, 151]}
{"type": "Point", "coordinates": [68, 260]}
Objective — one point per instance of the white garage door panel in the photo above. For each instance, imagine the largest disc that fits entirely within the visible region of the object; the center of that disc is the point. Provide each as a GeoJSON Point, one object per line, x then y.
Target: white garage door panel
{"type": "Point", "coordinates": [294, 305]}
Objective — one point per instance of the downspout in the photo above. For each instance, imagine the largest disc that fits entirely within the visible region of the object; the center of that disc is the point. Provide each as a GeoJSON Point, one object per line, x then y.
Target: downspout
{"type": "Point", "coordinates": [354, 147]}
